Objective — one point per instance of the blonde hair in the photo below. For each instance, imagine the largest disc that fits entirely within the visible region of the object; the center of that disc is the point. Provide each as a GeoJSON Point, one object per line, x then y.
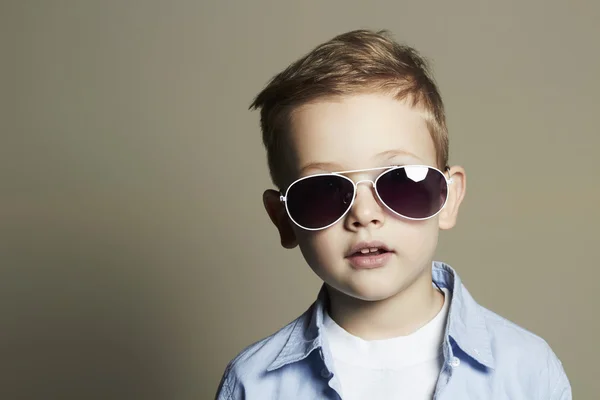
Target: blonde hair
{"type": "Point", "coordinates": [354, 62]}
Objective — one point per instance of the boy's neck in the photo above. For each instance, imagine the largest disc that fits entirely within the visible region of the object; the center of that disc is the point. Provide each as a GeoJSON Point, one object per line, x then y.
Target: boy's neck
{"type": "Point", "coordinates": [399, 315]}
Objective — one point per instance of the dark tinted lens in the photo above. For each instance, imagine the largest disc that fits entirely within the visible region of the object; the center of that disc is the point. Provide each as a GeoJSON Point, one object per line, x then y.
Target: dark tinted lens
{"type": "Point", "coordinates": [414, 192]}
{"type": "Point", "coordinates": [319, 201]}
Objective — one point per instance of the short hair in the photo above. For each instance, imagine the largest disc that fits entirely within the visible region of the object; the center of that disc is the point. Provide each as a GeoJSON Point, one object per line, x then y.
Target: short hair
{"type": "Point", "coordinates": [359, 61]}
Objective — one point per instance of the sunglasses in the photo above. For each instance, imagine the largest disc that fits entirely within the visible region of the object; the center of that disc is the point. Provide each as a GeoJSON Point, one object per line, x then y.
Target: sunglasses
{"type": "Point", "coordinates": [415, 192]}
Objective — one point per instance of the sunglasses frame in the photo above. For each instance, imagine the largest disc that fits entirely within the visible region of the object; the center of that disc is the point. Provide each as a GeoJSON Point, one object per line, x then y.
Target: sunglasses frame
{"type": "Point", "coordinates": [283, 197]}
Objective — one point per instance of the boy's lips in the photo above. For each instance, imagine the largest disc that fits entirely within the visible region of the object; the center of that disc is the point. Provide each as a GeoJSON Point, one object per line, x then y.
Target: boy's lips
{"type": "Point", "coordinates": [369, 255]}
{"type": "Point", "coordinates": [364, 248]}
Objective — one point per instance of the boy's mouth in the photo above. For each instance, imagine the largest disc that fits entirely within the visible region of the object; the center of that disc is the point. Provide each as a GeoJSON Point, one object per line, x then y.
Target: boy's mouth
{"type": "Point", "coordinates": [368, 249]}
{"type": "Point", "coordinates": [369, 252]}
{"type": "Point", "coordinates": [369, 255]}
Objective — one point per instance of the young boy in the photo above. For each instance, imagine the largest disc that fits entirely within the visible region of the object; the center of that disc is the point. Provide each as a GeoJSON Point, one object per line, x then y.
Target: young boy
{"type": "Point", "coordinates": [357, 143]}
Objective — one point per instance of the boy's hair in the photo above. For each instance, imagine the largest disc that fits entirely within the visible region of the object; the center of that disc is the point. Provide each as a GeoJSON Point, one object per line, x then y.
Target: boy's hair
{"type": "Point", "coordinates": [360, 61]}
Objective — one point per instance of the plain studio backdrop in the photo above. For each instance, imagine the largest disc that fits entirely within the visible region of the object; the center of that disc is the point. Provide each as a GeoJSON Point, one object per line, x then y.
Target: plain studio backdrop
{"type": "Point", "coordinates": [136, 257]}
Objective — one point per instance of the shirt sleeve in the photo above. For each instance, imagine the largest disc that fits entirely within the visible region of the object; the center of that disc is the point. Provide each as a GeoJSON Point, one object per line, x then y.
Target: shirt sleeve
{"type": "Point", "coordinates": [561, 387]}
{"type": "Point", "coordinates": [224, 389]}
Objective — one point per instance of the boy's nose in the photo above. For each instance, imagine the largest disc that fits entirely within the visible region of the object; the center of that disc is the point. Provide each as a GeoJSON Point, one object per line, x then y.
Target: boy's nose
{"type": "Point", "coordinates": [366, 209]}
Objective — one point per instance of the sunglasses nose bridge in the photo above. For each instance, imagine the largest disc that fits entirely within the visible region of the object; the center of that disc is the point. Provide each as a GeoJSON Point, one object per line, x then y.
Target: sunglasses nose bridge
{"type": "Point", "coordinates": [365, 180]}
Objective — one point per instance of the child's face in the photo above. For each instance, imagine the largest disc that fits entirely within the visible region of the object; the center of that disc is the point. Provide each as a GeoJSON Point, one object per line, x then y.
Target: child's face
{"type": "Point", "coordinates": [351, 133]}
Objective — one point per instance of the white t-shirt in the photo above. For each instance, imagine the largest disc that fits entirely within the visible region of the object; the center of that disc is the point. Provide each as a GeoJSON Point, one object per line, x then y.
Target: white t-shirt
{"type": "Point", "coordinates": [404, 367]}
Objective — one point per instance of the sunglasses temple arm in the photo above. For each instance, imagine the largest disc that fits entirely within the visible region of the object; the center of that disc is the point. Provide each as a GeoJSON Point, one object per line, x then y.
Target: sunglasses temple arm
{"type": "Point", "coordinates": [449, 179]}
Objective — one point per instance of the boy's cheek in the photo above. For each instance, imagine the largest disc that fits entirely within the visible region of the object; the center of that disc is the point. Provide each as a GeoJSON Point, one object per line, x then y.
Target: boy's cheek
{"type": "Point", "coordinates": [316, 238]}
{"type": "Point", "coordinates": [321, 247]}
{"type": "Point", "coordinates": [313, 247]}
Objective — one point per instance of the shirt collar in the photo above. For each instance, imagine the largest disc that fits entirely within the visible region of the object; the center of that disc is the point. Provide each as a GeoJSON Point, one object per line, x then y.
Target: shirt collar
{"type": "Point", "coordinates": [466, 325]}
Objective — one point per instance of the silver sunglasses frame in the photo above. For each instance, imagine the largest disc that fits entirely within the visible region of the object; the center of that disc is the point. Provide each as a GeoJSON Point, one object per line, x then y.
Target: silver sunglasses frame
{"type": "Point", "coordinates": [387, 169]}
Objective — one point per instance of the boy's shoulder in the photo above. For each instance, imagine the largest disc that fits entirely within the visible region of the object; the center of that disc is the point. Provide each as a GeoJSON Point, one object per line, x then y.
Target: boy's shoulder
{"type": "Point", "coordinates": [524, 361]}
{"type": "Point", "coordinates": [260, 354]}
{"type": "Point", "coordinates": [510, 340]}
{"type": "Point", "coordinates": [281, 347]}
{"type": "Point", "coordinates": [482, 333]}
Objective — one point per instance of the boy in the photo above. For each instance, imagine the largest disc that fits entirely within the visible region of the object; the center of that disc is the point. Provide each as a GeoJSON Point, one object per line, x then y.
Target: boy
{"type": "Point", "coordinates": [357, 143]}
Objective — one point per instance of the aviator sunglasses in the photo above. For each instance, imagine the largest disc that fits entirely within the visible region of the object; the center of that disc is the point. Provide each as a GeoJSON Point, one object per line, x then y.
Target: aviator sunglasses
{"type": "Point", "coordinates": [415, 192]}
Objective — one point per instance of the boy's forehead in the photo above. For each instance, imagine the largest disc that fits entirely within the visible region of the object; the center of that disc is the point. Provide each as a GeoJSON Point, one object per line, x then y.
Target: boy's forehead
{"type": "Point", "coordinates": [380, 159]}
{"type": "Point", "coordinates": [359, 131]}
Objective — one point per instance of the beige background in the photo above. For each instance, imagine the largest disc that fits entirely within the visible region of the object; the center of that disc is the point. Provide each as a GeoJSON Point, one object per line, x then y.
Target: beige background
{"type": "Point", "coordinates": [136, 258]}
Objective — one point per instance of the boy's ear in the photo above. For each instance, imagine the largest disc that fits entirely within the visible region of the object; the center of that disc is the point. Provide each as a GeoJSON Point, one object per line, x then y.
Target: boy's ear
{"type": "Point", "coordinates": [276, 210]}
{"type": "Point", "coordinates": [456, 193]}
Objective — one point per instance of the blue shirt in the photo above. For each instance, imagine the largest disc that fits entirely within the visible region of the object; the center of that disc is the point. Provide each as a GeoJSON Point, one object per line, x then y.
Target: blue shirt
{"type": "Point", "coordinates": [486, 357]}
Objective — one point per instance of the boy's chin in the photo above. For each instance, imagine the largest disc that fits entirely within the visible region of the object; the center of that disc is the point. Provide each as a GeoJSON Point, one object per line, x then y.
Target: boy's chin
{"type": "Point", "coordinates": [369, 291]}
{"type": "Point", "coordinates": [371, 297]}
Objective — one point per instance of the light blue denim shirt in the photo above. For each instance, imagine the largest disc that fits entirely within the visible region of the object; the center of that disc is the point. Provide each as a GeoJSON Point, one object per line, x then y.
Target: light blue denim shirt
{"type": "Point", "coordinates": [486, 357]}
